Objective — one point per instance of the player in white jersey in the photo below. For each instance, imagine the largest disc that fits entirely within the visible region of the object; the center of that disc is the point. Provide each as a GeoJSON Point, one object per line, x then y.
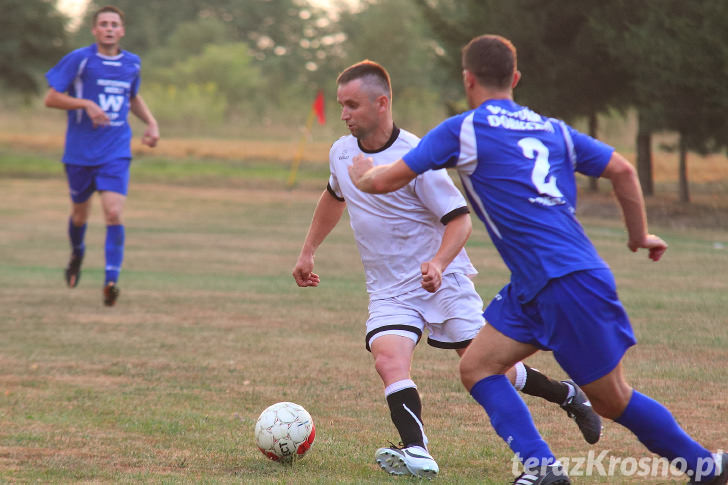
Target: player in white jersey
{"type": "Point", "coordinates": [411, 245]}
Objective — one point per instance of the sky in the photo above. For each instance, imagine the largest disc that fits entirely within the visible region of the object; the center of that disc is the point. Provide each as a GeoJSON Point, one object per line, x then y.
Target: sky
{"type": "Point", "coordinates": [72, 8]}
{"type": "Point", "coordinates": [75, 8]}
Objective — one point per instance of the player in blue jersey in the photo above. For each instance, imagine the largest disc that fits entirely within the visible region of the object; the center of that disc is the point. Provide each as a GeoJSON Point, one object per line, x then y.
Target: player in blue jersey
{"type": "Point", "coordinates": [517, 168]}
{"type": "Point", "coordinates": [98, 85]}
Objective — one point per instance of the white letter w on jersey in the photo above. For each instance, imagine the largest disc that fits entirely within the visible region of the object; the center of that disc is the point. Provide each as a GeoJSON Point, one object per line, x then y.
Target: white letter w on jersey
{"type": "Point", "coordinates": [114, 102]}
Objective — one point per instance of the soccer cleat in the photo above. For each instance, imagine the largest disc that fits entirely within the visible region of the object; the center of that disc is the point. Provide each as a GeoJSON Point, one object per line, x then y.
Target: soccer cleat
{"type": "Point", "coordinates": [580, 410]}
{"type": "Point", "coordinates": [73, 270]}
{"type": "Point", "coordinates": [412, 460]}
{"type": "Point", "coordinates": [111, 293]}
{"type": "Point", "coordinates": [551, 475]}
{"type": "Point", "coordinates": [721, 461]}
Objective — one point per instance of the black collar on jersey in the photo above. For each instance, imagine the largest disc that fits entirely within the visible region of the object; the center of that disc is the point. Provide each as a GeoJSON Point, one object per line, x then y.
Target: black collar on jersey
{"type": "Point", "coordinates": [392, 138]}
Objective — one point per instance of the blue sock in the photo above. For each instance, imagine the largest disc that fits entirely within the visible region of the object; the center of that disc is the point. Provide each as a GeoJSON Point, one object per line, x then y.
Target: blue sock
{"type": "Point", "coordinates": [657, 429]}
{"type": "Point", "coordinates": [512, 421]}
{"type": "Point", "coordinates": [76, 235]}
{"type": "Point", "coordinates": [114, 252]}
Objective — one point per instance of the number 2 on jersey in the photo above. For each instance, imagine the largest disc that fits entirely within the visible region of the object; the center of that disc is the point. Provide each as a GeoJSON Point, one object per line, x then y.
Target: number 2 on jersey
{"type": "Point", "coordinates": [533, 148]}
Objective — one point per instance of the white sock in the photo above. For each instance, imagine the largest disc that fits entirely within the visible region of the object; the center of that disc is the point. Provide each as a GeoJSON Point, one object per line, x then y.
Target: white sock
{"type": "Point", "coordinates": [398, 386]}
{"type": "Point", "coordinates": [520, 376]}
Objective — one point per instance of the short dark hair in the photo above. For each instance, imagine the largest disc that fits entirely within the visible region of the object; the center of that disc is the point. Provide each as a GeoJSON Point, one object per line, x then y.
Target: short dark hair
{"type": "Point", "coordinates": [372, 73]}
{"type": "Point", "coordinates": [492, 59]}
{"type": "Point", "coordinates": [108, 8]}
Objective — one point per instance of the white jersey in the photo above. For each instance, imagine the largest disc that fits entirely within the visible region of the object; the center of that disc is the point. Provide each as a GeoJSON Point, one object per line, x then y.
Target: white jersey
{"type": "Point", "coordinates": [396, 232]}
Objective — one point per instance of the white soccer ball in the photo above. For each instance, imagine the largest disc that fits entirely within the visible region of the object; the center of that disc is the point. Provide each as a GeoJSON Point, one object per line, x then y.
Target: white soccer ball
{"type": "Point", "coordinates": [284, 432]}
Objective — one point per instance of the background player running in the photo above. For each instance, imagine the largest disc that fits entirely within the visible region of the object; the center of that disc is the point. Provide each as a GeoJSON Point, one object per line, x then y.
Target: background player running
{"type": "Point", "coordinates": [99, 85]}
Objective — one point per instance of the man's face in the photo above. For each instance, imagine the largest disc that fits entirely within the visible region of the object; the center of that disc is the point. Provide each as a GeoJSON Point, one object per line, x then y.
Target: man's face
{"type": "Point", "coordinates": [108, 29]}
{"type": "Point", "coordinates": [360, 114]}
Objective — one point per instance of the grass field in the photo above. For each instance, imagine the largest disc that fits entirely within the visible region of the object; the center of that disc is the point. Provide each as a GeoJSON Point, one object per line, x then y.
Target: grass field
{"type": "Point", "coordinates": [210, 329]}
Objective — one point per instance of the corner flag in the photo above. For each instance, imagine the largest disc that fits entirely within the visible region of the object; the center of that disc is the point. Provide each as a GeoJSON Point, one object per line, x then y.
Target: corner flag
{"type": "Point", "coordinates": [318, 107]}
{"type": "Point", "coordinates": [317, 110]}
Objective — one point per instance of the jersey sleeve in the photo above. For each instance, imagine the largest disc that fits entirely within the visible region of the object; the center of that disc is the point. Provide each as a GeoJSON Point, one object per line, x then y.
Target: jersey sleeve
{"type": "Point", "coordinates": [137, 79]}
{"type": "Point", "coordinates": [438, 193]}
{"type": "Point", "coordinates": [592, 155]}
{"type": "Point", "coordinates": [439, 148]}
{"type": "Point", "coordinates": [333, 187]}
{"type": "Point", "coordinates": [60, 77]}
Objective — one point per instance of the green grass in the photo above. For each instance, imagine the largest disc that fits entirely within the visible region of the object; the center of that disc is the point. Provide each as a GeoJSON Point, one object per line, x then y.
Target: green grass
{"type": "Point", "coordinates": [185, 171]}
{"type": "Point", "coordinates": [210, 329]}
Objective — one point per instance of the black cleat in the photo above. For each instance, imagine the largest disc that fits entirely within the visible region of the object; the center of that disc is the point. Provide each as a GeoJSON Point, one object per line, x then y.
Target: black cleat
{"type": "Point", "coordinates": [580, 410]}
{"type": "Point", "coordinates": [550, 475]}
{"type": "Point", "coordinates": [111, 293]}
{"type": "Point", "coordinates": [73, 270]}
{"type": "Point", "coordinates": [721, 461]}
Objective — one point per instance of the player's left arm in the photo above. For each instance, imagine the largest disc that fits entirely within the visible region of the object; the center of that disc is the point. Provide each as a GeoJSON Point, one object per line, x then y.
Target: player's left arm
{"type": "Point", "coordinates": [380, 179]}
{"type": "Point", "coordinates": [629, 195]}
{"type": "Point", "coordinates": [142, 111]}
{"type": "Point", "coordinates": [457, 232]}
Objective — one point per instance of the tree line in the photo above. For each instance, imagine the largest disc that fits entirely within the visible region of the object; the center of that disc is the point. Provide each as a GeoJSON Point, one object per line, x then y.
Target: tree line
{"type": "Point", "coordinates": [211, 61]}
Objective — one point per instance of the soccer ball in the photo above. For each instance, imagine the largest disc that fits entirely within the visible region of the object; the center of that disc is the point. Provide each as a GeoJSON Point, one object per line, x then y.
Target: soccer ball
{"type": "Point", "coordinates": [284, 432]}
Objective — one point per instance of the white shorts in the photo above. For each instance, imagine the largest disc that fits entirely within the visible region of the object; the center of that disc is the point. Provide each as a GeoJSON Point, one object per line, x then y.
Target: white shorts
{"type": "Point", "coordinates": [453, 315]}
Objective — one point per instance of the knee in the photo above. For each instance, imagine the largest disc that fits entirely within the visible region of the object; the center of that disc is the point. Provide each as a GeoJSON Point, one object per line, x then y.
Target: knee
{"type": "Point", "coordinates": [113, 216]}
{"type": "Point", "coordinates": [78, 219]}
{"type": "Point", "coordinates": [610, 404]}
{"type": "Point", "coordinates": [471, 372]}
{"type": "Point", "coordinates": [79, 215]}
{"type": "Point", "coordinates": [387, 365]}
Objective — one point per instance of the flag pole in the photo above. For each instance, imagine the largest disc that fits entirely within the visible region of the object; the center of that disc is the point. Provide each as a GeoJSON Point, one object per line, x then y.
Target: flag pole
{"type": "Point", "coordinates": [317, 110]}
{"type": "Point", "coordinates": [299, 155]}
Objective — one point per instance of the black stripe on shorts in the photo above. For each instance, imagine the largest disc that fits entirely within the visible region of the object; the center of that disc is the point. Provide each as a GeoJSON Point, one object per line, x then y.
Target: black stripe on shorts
{"type": "Point", "coordinates": [408, 328]}
{"type": "Point", "coordinates": [449, 345]}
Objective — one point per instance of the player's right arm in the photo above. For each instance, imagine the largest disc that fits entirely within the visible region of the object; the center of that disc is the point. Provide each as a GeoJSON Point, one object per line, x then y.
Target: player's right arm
{"type": "Point", "coordinates": [328, 211]}
{"type": "Point", "coordinates": [55, 99]}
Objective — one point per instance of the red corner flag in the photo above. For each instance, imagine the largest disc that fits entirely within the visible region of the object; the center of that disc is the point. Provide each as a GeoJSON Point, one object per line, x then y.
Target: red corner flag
{"type": "Point", "coordinates": [318, 107]}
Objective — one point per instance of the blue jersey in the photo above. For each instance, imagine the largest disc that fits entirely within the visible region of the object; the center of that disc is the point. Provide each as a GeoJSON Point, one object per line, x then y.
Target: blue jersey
{"type": "Point", "coordinates": [517, 169]}
{"type": "Point", "coordinates": [111, 82]}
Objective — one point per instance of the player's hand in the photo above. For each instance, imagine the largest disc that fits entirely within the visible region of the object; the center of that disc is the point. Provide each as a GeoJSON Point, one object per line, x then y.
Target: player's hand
{"type": "Point", "coordinates": [303, 273]}
{"type": "Point", "coordinates": [97, 115]}
{"type": "Point", "coordinates": [431, 276]}
{"type": "Point", "coordinates": [360, 166]}
{"type": "Point", "coordinates": [151, 135]}
{"type": "Point", "coordinates": [652, 243]}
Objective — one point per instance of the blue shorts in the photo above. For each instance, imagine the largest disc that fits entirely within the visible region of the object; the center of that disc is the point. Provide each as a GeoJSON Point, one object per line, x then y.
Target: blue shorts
{"type": "Point", "coordinates": [84, 180]}
{"type": "Point", "coordinates": [578, 316]}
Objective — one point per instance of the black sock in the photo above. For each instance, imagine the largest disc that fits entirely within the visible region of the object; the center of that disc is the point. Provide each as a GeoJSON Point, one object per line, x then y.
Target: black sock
{"type": "Point", "coordinates": [540, 385]}
{"type": "Point", "coordinates": [402, 405]}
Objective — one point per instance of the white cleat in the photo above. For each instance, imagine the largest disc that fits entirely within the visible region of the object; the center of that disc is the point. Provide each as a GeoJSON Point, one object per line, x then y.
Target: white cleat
{"type": "Point", "coordinates": [412, 460]}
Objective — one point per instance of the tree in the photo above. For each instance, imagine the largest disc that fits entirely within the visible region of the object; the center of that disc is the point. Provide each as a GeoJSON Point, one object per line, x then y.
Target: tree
{"type": "Point", "coordinates": [396, 35]}
{"type": "Point", "coordinates": [286, 38]}
{"type": "Point", "coordinates": [568, 71]}
{"type": "Point", "coordinates": [679, 56]}
{"type": "Point", "coordinates": [148, 23]}
{"type": "Point", "coordinates": [32, 39]}
{"type": "Point", "coordinates": [227, 67]}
